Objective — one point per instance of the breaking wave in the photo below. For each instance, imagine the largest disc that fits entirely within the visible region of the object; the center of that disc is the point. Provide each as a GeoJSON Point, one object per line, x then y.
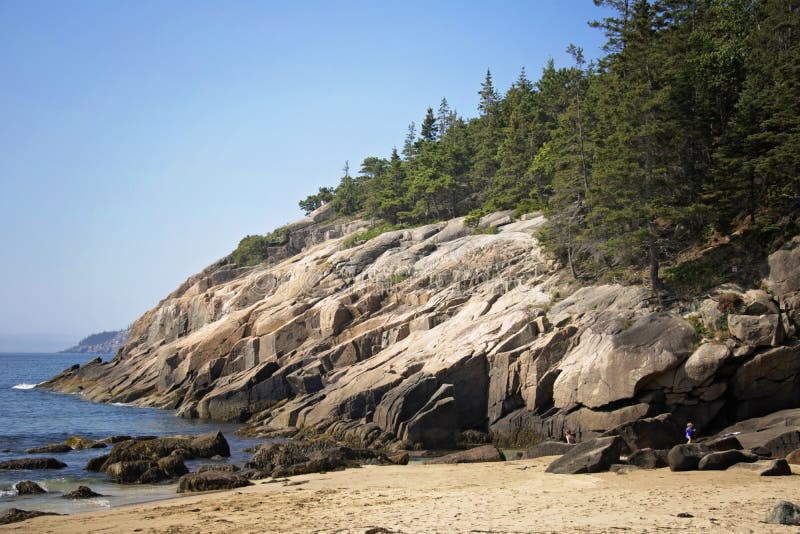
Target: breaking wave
{"type": "Point", "coordinates": [24, 386]}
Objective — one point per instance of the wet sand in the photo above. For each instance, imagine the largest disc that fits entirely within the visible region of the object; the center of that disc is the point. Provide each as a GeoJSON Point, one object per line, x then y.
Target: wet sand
{"type": "Point", "coordinates": [514, 496]}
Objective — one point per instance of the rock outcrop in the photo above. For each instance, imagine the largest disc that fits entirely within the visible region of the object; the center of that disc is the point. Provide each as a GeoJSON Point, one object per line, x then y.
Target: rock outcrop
{"type": "Point", "coordinates": [31, 463]}
{"type": "Point", "coordinates": [418, 335]}
{"type": "Point", "coordinates": [211, 481]}
{"type": "Point", "coordinates": [591, 456]}
{"type": "Point", "coordinates": [15, 515]}
{"type": "Point", "coordinates": [28, 487]}
{"type": "Point", "coordinates": [485, 453]}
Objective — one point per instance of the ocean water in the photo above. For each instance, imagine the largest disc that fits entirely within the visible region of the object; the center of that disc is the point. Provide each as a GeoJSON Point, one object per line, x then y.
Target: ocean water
{"type": "Point", "coordinates": [32, 417]}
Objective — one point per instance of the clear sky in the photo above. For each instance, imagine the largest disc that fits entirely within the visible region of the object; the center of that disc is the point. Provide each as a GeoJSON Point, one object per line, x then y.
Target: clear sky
{"type": "Point", "coordinates": [140, 140]}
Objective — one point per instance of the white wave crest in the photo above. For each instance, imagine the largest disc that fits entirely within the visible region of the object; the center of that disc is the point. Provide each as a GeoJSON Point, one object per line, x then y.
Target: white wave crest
{"type": "Point", "coordinates": [121, 404]}
{"type": "Point", "coordinates": [24, 386]}
{"type": "Point", "coordinates": [8, 492]}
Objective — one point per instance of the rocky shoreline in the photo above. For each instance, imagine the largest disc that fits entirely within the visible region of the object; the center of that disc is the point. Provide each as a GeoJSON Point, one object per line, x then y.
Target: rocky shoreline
{"type": "Point", "coordinates": [765, 447]}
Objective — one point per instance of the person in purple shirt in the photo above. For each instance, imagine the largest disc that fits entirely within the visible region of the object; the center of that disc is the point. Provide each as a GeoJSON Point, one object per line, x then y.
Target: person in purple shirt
{"type": "Point", "coordinates": [690, 430]}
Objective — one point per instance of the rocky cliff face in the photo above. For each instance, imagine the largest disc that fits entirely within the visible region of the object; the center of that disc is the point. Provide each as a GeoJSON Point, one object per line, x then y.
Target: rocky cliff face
{"type": "Point", "coordinates": [419, 336]}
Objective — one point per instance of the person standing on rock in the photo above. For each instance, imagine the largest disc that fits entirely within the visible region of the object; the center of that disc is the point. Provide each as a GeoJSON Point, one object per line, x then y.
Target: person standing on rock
{"type": "Point", "coordinates": [569, 437]}
{"type": "Point", "coordinates": [690, 430]}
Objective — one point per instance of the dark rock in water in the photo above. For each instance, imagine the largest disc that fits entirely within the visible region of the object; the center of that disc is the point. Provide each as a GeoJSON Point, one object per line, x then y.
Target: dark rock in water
{"type": "Point", "coordinates": [96, 464]}
{"type": "Point", "coordinates": [154, 475]}
{"type": "Point", "coordinates": [485, 453]}
{"type": "Point", "coordinates": [660, 432]}
{"type": "Point", "coordinates": [719, 461]}
{"type": "Point", "coordinates": [28, 487]}
{"type": "Point", "coordinates": [128, 472]}
{"type": "Point", "coordinates": [766, 468]}
{"type": "Point", "coordinates": [15, 515]}
{"type": "Point", "coordinates": [725, 443]}
{"type": "Point", "coordinates": [784, 513]}
{"type": "Point", "coordinates": [79, 443]}
{"type": "Point", "coordinates": [52, 448]}
{"type": "Point", "coordinates": [547, 448]}
{"type": "Point", "coordinates": [687, 456]}
{"type": "Point", "coordinates": [115, 439]}
{"type": "Point", "coordinates": [172, 466]}
{"type": "Point", "coordinates": [780, 446]}
{"type": "Point", "coordinates": [32, 463]}
{"type": "Point", "coordinates": [83, 492]}
{"type": "Point", "coordinates": [202, 446]}
{"type": "Point", "coordinates": [209, 445]}
{"type": "Point", "coordinates": [210, 480]}
{"type": "Point", "coordinates": [226, 468]}
{"type": "Point", "coordinates": [591, 456]}
{"type": "Point", "coordinates": [649, 458]}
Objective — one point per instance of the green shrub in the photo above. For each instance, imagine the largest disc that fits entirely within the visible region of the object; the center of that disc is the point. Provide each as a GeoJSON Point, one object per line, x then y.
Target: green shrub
{"type": "Point", "coordinates": [491, 230]}
{"type": "Point", "coordinates": [362, 237]}
{"type": "Point", "coordinates": [254, 249]}
{"type": "Point", "coordinates": [474, 218]}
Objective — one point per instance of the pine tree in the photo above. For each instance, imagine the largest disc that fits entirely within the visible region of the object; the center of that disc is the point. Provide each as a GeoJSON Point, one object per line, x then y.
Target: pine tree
{"type": "Point", "coordinates": [429, 131]}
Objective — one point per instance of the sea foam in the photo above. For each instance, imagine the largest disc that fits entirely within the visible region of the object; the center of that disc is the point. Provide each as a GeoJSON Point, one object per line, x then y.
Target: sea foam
{"type": "Point", "coordinates": [24, 386]}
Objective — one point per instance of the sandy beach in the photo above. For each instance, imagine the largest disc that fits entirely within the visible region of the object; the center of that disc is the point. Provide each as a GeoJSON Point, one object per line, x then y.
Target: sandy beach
{"type": "Point", "coordinates": [514, 496]}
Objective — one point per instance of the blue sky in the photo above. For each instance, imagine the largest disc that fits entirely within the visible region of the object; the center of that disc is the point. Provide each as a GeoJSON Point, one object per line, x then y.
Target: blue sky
{"type": "Point", "coordinates": [140, 140]}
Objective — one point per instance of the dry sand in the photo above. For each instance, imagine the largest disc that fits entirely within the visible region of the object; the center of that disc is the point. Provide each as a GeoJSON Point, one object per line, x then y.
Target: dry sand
{"type": "Point", "coordinates": [514, 496]}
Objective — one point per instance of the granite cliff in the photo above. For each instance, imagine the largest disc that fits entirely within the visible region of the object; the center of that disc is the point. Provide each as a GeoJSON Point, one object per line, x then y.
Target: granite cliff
{"type": "Point", "coordinates": [438, 335]}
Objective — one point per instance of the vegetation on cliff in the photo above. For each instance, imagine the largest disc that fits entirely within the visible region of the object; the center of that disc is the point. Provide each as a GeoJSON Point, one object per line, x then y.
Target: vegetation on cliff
{"type": "Point", "coordinates": [686, 130]}
{"type": "Point", "coordinates": [108, 342]}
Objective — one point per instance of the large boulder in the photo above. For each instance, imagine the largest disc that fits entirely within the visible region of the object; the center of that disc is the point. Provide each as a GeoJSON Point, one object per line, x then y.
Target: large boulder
{"type": "Point", "coordinates": [720, 461]}
{"type": "Point", "coordinates": [31, 463]}
{"type": "Point", "coordinates": [302, 457]}
{"type": "Point", "coordinates": [547, 448]}
{"type": "Point", "coordinates": [129, 472]}
{"type": "Point", "coordinates": [784, 269]}
{"type": "Point", "coordinates": [209, 444]}
{"type": "Point", "coordinates": [96, 464]}
{"type": "Point", "coordinates": [649, 458]}
{"type": "Point", "coordinates": [687, 456]}
{"type": "Point", "coordinates": [211, 481]}
{"type": "Point", "coordinates": [617, 355]}
{"type": "Point", "coordinates": [784, 513]}
{"type": "Point", "coordinates": [766, 468]}
{"type": "Point", "coordinates": [202, 446]}
{"type": "Point", "coordinates": [781, 445]}
{"type": "Point", "coordinates": [724, 443]}
{"type": "Point", "coordinates": [28, 487]}
{"type": "Point", "coordinates": [591, 456]}
{"type": "Point", "coordinates": [660, 432]}
{"type": "Point", "coordinates": [172, 466]}
{"type": "Point", "coordinates": [705, 362]}
{"type": "Point", "coordinates": [757, 330]}
{"type": "Point", "coordinates": [485, 453]}
{"type": "Point", "coordinates": [768, 382]}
